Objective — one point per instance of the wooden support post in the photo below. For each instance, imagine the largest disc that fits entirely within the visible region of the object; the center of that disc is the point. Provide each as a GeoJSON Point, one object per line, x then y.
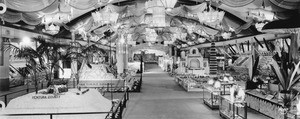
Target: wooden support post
{"type": "Point", "coordinates": [74, 62]}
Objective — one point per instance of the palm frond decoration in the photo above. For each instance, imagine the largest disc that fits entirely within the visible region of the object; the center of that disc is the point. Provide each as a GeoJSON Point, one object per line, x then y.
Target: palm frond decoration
{"type": "Point", "coordinates": [253, 71]}
{"type": "Point", "coordinates": [286, 71]}
{"type": "Point", "coordinates": [46, 56]}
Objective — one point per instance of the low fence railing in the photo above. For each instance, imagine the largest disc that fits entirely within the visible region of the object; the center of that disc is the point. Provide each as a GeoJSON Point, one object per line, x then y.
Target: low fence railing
{"type": "Point", "coordinates": [27, 90]}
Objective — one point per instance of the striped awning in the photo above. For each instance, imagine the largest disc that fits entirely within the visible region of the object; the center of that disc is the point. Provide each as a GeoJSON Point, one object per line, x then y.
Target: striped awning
{"type": "Point", "coordinates": [287, 4]}
{"type": "Point", "coordinates": [237, 3]}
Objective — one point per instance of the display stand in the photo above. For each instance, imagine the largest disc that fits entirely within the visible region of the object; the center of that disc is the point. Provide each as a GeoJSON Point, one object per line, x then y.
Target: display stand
{"type": "Point", "coordinates": [196, 63]}
{"type": "Point", "coordinates": [231, 109]}
{"type": "Point", "coordinates": [266, 106]}
{"type": "Point", "coordinates": [211, 96]}
{"type": "Point", "coordinates": [189, 84]}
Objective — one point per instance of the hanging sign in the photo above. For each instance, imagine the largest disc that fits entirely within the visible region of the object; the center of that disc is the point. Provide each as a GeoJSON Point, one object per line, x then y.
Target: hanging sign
{"type": "Point", "coordinates": [45, 96]}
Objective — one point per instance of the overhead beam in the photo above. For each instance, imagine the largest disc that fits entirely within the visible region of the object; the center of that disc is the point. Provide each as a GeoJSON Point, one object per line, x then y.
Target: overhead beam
{"type": "Point", "coordinates": [11, 31]}
{"type": "Point", "coordinates": [68, 41]}
{"type": "Point", "coordinates": [251, 39]}
{"type": "Point", "coordinates": [147, 46]}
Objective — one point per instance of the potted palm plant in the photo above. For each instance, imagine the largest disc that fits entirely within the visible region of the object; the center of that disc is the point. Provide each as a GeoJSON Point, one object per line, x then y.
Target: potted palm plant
{"type": "Point", "coordinates": [253, 72]}
{"type": "Point", "coordinates": [44, 58]}
{"type": "Point", "coordinates": [52, 53]}
{"type": "Point", "coordinates": [25, 73]}
{"type": "Point", "coordinates": [32, 57]}
{"type": "Point", "coordinates": [286, 72]}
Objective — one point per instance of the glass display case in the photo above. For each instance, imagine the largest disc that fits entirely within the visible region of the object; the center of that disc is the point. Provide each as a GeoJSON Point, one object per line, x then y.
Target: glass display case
{"type": "Point", "coordinates": [190, 84]}
{"type": "Point", "coordinates": [230, 109]}
{"type": "Point", "coordinates": [211, 96]}
{"type": "Point", "coordinates": [225, 87]}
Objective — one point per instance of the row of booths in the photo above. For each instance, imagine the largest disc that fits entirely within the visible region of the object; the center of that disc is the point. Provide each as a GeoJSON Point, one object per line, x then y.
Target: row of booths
{"type": "Point", "coordinates": [242, 82]}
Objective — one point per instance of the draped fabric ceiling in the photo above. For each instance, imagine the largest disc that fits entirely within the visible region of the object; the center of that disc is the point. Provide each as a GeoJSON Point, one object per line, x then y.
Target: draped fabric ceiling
{"type": "Point", "coordinates": [183, 18]}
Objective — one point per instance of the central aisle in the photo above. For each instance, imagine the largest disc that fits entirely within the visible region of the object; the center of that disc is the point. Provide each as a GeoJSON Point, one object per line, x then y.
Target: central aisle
{"type": "Point", "coordinates": [162, 98]}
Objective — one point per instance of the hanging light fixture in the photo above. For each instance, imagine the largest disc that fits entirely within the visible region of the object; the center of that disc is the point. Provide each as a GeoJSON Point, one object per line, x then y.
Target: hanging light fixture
{"type": "Point", "coordinates": [260, 25]}
{"type": "Point", "coordinates": [53, 20]}
{"type": "Point", "coordinates": [201, 40]}
{"type": "Point", "coordinates": [158, 10]}
{"type": "Point", "coordinates": [190, 43]}
{"type": "Point", "coordinates": [226, 35]}
{"type": "Point", "coordinates": [150, 35]}
{"type": "Point", "coordinates": [130, 41]}
{"type": "Point", "coordinates": [51, 28]}
{"type": "Point", "coordinates": [104, 41]}
{"type": "Point", "coordinates": [261, 15]}
{"type": "Point", "coordinates": [211, 16]}
{"type": "Point", "coordinates": [190, 28]}
{"type": "Point", "coordinates": [168, 4]}
{"type": "Point", "coordinates": [105, 17]}
{"type": "Point", "coordinates": [57, 18]}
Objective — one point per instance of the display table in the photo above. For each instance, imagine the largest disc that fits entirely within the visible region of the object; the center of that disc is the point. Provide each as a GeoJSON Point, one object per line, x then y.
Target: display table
{"type": "Point", "coordinates": [73, 104]}
{"type": "Point", "coordinates": [97, 76]}
{"type": "Point", "coordinates": [230, 109]}
{"type": "Point", "coordinates": [259, 102]}
{"type": "Point", "coordinates": [190, 84]}
{"type": "Point", "coordinates": [197, 71]}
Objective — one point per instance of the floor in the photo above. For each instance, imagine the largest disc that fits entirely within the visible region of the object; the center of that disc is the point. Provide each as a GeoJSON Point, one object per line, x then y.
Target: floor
{"type": "Point", "coordinates": [162, 98]}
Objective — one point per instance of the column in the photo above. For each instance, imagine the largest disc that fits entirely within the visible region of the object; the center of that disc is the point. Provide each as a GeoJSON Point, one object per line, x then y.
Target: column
{"type": "Point", "coordinates": [74, 61]}
{"type": "Point", "coordinates": [120, 54]}
{"type": "Point", "coordinates": [4, 65]}
{"type": "Point", "coordinates": [125, 57]}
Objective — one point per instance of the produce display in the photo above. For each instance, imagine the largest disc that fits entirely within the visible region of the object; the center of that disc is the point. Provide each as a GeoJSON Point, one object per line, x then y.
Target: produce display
{"type": "Point", "coordinates": [57, 89]}
{"type": "Point", "coordinates": [191, 82]}
{"type": "Point", "coordinates": [73, 101]}
{"type": "Point", "coordinates": [98, 76]}
{"type": "Point", "coordinates": [258, 102]}
{"type": "Point", "coordinates": [220, 84]}
{"type": "Point", "coordinates": [95, 73]}
{"type": "Point", "coordinates": [133, 67]}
